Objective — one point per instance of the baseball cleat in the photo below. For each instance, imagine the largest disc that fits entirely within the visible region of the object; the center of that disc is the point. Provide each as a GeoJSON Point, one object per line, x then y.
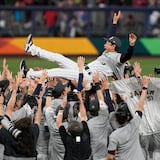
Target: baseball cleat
{"type": "Point", "coordinates": [23, 68]}
{"type": "Point", "coordinates": [28, 43]}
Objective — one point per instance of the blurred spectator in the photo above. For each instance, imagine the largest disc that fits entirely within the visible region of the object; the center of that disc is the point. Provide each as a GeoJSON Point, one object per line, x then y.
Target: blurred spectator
{"type": "Point", "coordinates": [154, 19]}
{"type": "Point", "coordinates": [62, 19]}
{"type": "Point", "coordinates": [156, 29]}
{"type": "Point", "coordinates": [28, 14]}
{"type": "Point", "coordinates": [78, 23]}
{"type": "Point", "coordinates": [131, 23]}
{"type": "Point", "coordinates": [28, 2]}
{"type": "Point", "coordinates": [152, 2]}
{"type": "Point", "coordinates": [91, 3]}
{"type": "Point", "coordinates": [50, 17]}
{"type": "Point", "coordinates": [70, 3]}
{"type": "Point", "coordinates": [2, 20]}
{"type": "Point", "coordinates": [62, 24]}
{"type": "Point", "coordinates": [140, 3]}
{"type": "Point", "coordinates": [18, 15]}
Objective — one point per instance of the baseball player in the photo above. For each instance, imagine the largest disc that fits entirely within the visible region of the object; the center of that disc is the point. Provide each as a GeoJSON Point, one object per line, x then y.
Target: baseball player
{"type": "Point", "coordinates": [124, 141]}
{"type": "Point", "coordinates": [109, 63]}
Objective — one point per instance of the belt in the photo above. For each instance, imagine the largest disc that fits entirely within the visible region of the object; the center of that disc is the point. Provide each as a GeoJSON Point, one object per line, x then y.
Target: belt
{"type": "Point", "coordinates": [88, 70]}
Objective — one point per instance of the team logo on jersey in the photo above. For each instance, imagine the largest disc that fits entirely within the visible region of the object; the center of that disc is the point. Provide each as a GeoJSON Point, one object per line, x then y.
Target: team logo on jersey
{"type": "Point", "coordinates": [103, 63]}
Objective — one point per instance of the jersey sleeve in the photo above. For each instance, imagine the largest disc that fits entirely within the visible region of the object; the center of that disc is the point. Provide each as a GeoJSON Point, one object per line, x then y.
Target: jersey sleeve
{"type": "Point", "coordinates": [113, 30]}
{"type": "Point", "coordinates": [113, 143]}
{"type": "Point", "coordinates": [49, 115]}
{"type": "Point", "coordinates": [127, 56]}
{"type": "Point", "coordinates": [135, 122]}
{"type": "Point", "coordinates": [103, 109]}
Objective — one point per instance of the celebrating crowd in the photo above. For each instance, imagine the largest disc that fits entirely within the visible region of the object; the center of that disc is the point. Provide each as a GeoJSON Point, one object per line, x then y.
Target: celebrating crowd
{"type": "Point", "coordinates": [103, 110]}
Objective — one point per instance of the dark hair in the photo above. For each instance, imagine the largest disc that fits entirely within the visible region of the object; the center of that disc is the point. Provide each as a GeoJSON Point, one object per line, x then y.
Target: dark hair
{"type": "Point", "coordinates": [116, 48]}
{"type": "Point", "coordinates": [4, 85]}
{"type": "Point", "coordinates": [122, 113]}
{"type": "Point", "coordinates": [75, 128]}
{"type": "Point", "coordinates": [25, 144]}
{"type": "Point", "coordinates": [94, 106]}
{"type": "Point", "coordinates": [56, 95]}
{"type": "Point", "coordinates": [31, 100]}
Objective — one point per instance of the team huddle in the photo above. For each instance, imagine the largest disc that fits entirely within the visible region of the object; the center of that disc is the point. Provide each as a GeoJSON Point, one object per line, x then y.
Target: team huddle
{"type": "Point", "coordinates": [79, 111]}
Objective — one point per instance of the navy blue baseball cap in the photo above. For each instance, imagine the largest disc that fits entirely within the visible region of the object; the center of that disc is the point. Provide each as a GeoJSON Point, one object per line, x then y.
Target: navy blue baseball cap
{"type": "Point", "coordinates": [59, 88]}
{"type": "Point", "coordinates": [114, 40]}
{"type": "Point", "coordinates": [94, 105]}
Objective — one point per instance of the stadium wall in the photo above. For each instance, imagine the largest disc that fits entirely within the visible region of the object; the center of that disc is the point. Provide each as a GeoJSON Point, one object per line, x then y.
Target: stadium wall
{"type": "Point", "coordinates": [77, 46]}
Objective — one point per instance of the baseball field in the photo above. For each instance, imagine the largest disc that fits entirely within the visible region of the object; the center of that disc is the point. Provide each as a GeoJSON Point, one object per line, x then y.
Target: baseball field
{"type": "Point", "coordinates": [147, 63]}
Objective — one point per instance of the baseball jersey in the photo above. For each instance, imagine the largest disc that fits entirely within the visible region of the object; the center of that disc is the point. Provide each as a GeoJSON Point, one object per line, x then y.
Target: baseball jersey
{"type": "Point", "coordinates": [24, 111]}
{"type": "Point", "coordinates": [56, 148]}
{"type": "Point", "coordinates": [43, 139]}
{"type": "Point", "coordinates": [106, 64]}
{"type": "Point", "coordinates": [149, 129]}
{"type": "Point", "coordinates": [98, 127]}
{"type": "Point", "coordinates": [125, 141]}
{"type": "Point", "coordinates": [131, 89]}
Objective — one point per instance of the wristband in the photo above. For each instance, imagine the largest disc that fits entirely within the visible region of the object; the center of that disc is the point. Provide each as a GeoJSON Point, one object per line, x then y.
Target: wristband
{"type": "Point", "coordinates": [49, 92]}
{"type": "Point", "coordinates": [97, 86]}
{"type": "Point", "coordinates": [144, 88]}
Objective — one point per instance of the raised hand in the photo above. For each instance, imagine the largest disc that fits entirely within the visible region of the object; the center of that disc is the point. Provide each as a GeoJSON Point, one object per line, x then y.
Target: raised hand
{"type": "Point", "coordinates": [137, 69]}
{"type": "Point", "coordinates": [132, 39]}
{"type": "Point", "coordinates": [80, 63]}
{"type": "Point", "coordinates": [116, 17]}
{"type": "Point", "coordinates": [19, 78]}
{"type": "Point", "coordinates": [51, 82]}
{"type": "Point", "coordinates": [43, 76]}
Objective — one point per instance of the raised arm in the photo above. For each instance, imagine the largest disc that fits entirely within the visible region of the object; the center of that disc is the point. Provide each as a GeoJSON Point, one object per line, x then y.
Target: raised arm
{"type": "Point", "coordinates": [98, 87]}
{"type": "Point", "coordinates": [80, 63]}
{"type": "Point", "coordinates": [60, 113]}
{"type": "Point", "coordinates": [115, 20]}
{"type": "Point", "coordinates": [1, 108]}
{"type": "Point", "coordinates": [108, 100]}
{"type": "Point", "coordinates": [12, 100]}
{"type": "Point", "coordinates": [137, 69]}
{"type": "Point", "coordinates": [37, 119]}
{"type": "Point", "coordinates": [145, 82]}
{"type": "Point", "coordinates": [1, 105]}
{"type": "Point", "coordinates": [40, 82]}
{"type": "Point", "coordinates": [132, 41]}
{"type": "Point", "coordinates": [83, 114]}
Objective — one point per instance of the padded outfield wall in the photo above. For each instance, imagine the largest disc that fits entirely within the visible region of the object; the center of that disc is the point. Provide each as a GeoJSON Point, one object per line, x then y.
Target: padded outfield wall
{"type": "Point", "coordinates": [77, 46]}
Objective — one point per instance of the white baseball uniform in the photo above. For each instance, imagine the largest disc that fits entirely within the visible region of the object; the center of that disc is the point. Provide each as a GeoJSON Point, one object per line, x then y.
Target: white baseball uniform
{"type": "Point", "coordinates": [125, 141]}
{"type": "Point", "coordinates": [107, 65]}
{"type": "Point", "coordinates": [149, 129]}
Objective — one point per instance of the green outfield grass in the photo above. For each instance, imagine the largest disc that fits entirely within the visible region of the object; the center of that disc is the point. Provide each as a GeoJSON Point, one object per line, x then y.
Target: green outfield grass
{"type": "Point", "coordinates": [147, 63]}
